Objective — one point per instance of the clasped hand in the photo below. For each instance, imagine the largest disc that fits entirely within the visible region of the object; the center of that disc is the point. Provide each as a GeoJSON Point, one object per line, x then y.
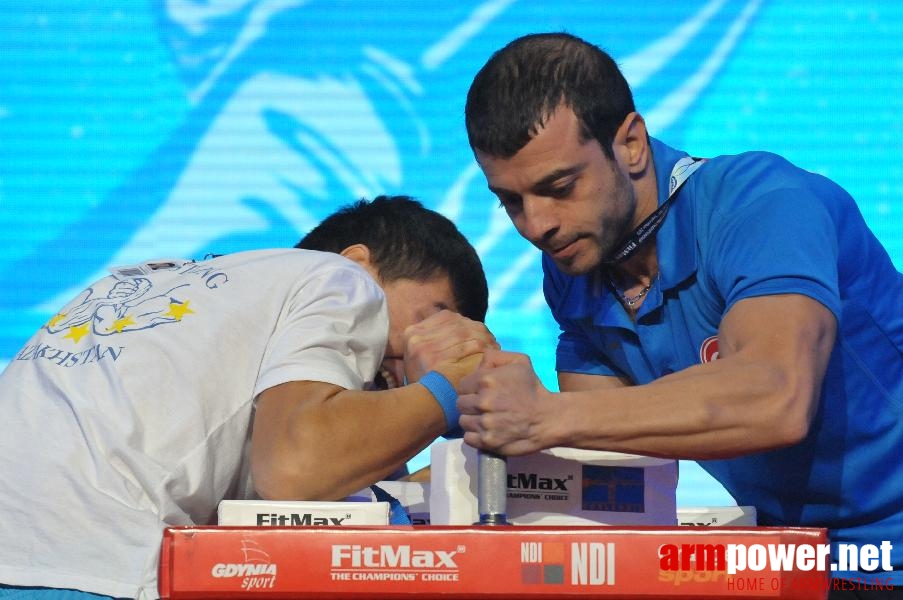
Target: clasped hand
{"type": "Point", "coordinates": [446, 342]}
{"type": "Point", "coordinates": [504, 406]}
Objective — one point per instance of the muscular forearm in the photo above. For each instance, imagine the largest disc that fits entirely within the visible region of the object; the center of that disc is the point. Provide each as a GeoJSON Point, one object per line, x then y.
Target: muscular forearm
{"type": "Point", "coordinates": [714, 410]}
{"type": "Point", "coordinates": [760, 394]}
{"type": "Point", "coordinates": [327, 447]}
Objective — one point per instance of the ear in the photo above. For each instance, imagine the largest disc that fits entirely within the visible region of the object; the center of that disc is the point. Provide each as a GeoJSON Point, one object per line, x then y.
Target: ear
{"type": "Point", "coordinates": [631, 144]}
{"type": "Point", "coordinates": [359, 253]}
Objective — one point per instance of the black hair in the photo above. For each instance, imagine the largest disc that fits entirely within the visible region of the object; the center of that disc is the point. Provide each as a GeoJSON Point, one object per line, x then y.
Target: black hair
{"type": "Point", "coordinates": [523, 83]}
{"type": "Point", "coordinates": [407, 241]}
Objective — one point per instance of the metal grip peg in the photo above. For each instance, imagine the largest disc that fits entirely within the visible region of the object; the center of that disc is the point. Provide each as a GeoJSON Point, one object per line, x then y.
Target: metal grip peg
{"type": "Point", "coordinates": [492, 488]}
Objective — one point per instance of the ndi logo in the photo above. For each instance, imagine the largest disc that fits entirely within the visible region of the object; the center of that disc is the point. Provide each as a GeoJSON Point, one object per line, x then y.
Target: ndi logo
{"type": "Point", "coordinates": [592, 563]}
{"type": "Point", "coordinates": [542, 562]}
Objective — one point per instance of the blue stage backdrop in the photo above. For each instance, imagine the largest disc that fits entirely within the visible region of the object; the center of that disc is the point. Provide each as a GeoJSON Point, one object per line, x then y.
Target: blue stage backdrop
{"type": "Point", "coordinates": [134, 129]}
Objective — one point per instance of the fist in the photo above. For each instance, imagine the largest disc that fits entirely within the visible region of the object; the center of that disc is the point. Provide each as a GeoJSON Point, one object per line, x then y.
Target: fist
{"type": "Point", "coordinates": [446, 342]}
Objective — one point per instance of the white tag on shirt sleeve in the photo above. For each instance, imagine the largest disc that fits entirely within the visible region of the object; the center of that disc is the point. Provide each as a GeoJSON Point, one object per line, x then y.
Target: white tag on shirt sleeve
{"type": "Point", "coordinates": [147, 267]}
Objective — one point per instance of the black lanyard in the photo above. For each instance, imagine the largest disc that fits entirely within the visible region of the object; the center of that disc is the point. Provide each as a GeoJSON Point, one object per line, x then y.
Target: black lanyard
{"type": "Point", "coordinates": [682, 170]}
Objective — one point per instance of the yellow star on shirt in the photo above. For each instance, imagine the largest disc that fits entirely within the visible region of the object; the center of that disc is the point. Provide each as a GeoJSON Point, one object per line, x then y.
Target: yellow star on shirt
{"type": "Point", "coordinates": [77, 332]}
{"type": "Point", "coordinates": [177, 310]}
{"type": "Point", "coordinates": [120, 324]}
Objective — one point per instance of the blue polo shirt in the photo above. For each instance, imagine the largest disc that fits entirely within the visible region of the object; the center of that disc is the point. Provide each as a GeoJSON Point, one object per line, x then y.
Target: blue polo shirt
{"type": "Point", "coordinates": [753, 225]}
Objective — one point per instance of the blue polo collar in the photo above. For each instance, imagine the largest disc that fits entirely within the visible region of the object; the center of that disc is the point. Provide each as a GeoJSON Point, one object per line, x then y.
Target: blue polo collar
{"type": "Point", "coordinates": [676, 240]}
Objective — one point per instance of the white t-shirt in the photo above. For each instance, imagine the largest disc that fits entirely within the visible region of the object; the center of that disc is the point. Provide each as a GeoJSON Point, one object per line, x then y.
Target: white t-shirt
{"type": "Point", "coordinates": [129, 411]}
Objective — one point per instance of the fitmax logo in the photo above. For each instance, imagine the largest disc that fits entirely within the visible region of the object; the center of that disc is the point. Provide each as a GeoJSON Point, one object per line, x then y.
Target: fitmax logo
{"type": "Point", "coordinates": [297, 519]}
{"type": "Point", "coordinates": [532, 481]}
{"type": "Point", "coordinates": [354, 555]}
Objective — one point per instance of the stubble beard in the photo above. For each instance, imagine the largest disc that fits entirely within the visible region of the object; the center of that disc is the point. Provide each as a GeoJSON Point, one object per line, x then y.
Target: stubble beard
{"type": "Point", "coordinates": [613, 228]}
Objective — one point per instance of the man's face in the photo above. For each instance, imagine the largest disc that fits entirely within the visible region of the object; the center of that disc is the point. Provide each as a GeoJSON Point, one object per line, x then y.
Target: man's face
{"type": "Point", "coordinates": [564, 195]}
{"type": "Point", "coordinates": [410, 302]}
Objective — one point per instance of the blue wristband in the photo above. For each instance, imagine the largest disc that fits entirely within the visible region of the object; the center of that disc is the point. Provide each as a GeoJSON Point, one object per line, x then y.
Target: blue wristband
{"type": "Point", "coordinates": [444, 393]}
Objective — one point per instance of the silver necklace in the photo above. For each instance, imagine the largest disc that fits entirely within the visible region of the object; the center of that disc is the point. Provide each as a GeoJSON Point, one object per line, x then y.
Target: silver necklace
{"type": "Point", "coordinates": [630, 301]}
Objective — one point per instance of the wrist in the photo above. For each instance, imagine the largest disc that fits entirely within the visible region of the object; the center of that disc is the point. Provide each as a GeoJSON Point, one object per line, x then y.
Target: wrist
{"type": "Point", "coordinates": [445, 395]}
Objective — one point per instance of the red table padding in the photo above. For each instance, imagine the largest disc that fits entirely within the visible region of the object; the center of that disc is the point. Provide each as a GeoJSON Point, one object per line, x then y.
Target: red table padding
{"type": "Point", "coordinates": [481, 562]}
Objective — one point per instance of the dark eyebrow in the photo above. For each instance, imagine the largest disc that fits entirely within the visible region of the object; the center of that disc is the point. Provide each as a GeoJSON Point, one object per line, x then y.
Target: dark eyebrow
{"type": "Point", "coordinates": [546, 182]}
{"type": "Point", "coordinates": [499, 191]}
{"type": "Point", "coordinates": [554, 176]}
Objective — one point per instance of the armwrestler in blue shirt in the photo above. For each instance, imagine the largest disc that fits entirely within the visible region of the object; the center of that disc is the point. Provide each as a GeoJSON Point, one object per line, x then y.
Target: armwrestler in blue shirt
{"type": "Point", "coordinates": [736, 311]}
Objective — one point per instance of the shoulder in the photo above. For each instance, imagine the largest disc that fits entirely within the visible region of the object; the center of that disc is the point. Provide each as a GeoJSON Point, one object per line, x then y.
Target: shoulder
{"type": "Point", "coordinates": [729, 181]}
{"type": "Point", "coordinates": [295, 257]}
{"type": "Point", "coordinates": [754, 174]}
{"type": "Point", "coordinates": [732, 189]}
{"type": "Point", "coordinates": [290, 264]}
{"type": "Point", "coordinates": [291, 273]}
{"type": "Point", "coordinates": [732, 175]}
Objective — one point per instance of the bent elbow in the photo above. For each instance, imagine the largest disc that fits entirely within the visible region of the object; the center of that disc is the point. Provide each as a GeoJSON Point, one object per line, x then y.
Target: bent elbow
{"type": "Point", "coordinates": [305, 479]}
{"type": "Point", "coordinates": [794, 420]}
{"type": "Point", "coordinates": [275, 486]}
{"type": "Point", "coordinates": [286, 480]}
{"type": "Point", "coordinates": [792, 431]}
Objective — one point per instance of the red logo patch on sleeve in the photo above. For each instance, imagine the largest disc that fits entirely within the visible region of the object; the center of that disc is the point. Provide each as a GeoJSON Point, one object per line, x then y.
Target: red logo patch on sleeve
{"type": "Point", "coordinates": [708, 351]}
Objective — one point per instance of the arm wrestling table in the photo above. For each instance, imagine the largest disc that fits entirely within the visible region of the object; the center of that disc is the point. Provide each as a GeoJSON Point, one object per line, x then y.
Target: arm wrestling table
{"type": "Point", "coordinates": [489, 560]}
